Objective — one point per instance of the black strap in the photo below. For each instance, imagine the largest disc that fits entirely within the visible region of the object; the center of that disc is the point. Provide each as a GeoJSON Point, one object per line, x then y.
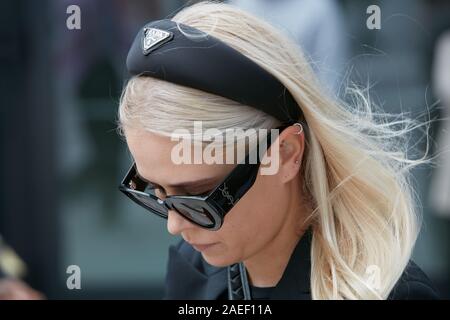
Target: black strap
{"type": "Point", "coordinates": [238, 286]}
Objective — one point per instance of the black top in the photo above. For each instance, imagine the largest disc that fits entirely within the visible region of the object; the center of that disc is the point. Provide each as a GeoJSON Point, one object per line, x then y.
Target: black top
{"type": "Point", "coordinates": [189, 276]}
{"type": "Point", "coordinates": [259, 293]}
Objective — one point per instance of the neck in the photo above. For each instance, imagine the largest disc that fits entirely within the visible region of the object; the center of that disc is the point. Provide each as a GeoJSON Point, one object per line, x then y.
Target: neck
{"type": "Point", "coordinates": [266, 267]}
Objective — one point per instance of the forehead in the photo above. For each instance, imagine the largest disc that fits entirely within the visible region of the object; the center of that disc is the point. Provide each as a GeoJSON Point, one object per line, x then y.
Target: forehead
{"type": "Point", "coordinates": [153, 156]}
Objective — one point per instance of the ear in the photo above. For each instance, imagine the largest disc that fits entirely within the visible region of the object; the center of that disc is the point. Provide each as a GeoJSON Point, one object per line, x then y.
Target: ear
{"type": "Point", "coordinates": [291, 148]}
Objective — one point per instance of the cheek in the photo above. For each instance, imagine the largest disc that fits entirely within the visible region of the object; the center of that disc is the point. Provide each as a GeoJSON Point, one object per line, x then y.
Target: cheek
{"type": "Point", "coordinates": [267, 209]}
{"type": "Point", "coordinates": [249, 226]}
{"type": "Point", "coordinates": [263, 214]}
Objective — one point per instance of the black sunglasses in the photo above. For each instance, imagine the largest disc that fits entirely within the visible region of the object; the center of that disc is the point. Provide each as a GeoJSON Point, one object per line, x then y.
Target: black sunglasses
{"type": "Point", "coordinates": [207, 211]}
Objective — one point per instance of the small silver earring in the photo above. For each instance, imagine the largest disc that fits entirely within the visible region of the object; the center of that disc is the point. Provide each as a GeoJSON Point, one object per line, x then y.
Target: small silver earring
{"type": "Point", "coordinates": [297, 161]}
{"type": "Point", "coordinates": [300, 127]}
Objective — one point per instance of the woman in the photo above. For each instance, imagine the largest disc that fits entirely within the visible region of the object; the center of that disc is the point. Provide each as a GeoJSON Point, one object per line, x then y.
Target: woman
{"type": "Point", "coordinates": [335, 220]}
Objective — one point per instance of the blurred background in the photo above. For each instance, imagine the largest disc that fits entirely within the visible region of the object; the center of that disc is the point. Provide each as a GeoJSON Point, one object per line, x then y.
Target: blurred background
{"type": "Point", "coordinates": [61, 159]}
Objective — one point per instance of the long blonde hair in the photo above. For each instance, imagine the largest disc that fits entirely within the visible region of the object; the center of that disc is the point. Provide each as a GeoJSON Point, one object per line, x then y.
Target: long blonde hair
{"type": "Point", "coordinates": [355, 166]}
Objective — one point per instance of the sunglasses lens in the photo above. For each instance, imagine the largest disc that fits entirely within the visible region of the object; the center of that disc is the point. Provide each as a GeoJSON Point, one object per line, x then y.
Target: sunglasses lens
{"type": "Point", "coordinates": [150, 204]}
{"type": "Point", "coordinates": [196, 213]}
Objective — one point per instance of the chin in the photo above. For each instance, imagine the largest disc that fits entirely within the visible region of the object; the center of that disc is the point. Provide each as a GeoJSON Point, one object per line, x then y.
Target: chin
{"type": "Point", "coordinates": [219, 261]}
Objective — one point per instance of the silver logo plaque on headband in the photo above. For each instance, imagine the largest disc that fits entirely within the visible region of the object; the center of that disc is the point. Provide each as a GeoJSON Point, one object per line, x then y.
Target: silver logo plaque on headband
{"type": "Point", "coordinates": [153, 38]}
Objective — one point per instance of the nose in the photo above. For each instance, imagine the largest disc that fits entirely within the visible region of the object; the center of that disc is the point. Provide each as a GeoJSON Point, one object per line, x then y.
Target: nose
{"type": "Point", "coordinates": [176, 223]}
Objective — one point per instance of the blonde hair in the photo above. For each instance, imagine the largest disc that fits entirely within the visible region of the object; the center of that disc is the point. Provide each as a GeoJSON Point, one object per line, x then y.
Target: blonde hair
{"type": "Point", "coordinates": [355, 165]}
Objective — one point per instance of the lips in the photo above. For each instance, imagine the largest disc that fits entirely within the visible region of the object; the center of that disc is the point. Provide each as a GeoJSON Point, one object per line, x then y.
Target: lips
{"type": "Point", "coordinates": [203, 247]}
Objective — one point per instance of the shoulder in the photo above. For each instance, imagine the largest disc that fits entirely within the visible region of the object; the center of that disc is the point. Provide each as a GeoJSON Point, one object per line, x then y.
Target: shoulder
{"type": "Point", "coordinates": [413, 285]}
{"type": "Point", "coordinates": [189, 276]}
{"type": "Point", "coordinates": [182, 254]}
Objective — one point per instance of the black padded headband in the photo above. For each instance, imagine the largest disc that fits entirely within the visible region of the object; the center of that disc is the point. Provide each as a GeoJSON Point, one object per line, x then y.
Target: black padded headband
{"type": "Point", "coordinates": [186, 56]}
